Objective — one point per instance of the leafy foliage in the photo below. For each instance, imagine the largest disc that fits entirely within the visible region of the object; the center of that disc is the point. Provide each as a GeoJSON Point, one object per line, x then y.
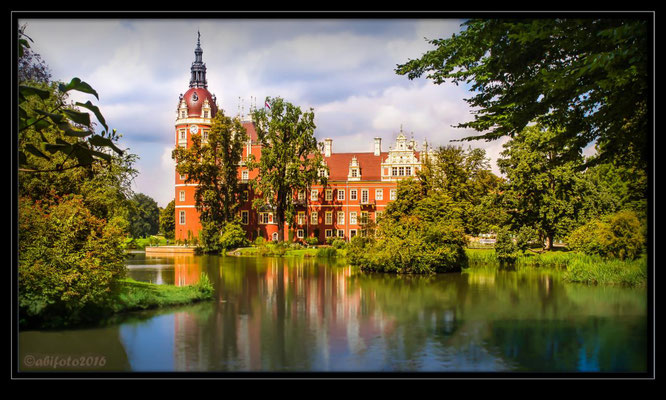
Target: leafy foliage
{"type": "Point", "coordinates": [420, 232]}
{"type": "Point", "coordinates": [144, 216]}
{"type": "Point", "coordinates": [588, 77]}
{"type": "Point", "coordinates": [290, 160]}
{"type": "Point", "coordinates": [618, 235]}
{"type": "Point", "coordinates": [213, 165]}
{"type": "Point", "coordinates": [168, 220]}
{"type": "Point", "coordinates": [233, 236]}
{"type": "Point", "coordinates": [69, 260]}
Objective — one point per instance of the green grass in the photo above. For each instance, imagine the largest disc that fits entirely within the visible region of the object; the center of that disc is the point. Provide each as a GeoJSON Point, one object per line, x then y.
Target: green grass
{"type": "Point", "coordinates": [272, 250]}
{"type": "Point", "coordinates": [576, 267]}
{"type": "Point", "coordinates": [135, 295]}
{"type": "Point", "coordinates": [142, 243]}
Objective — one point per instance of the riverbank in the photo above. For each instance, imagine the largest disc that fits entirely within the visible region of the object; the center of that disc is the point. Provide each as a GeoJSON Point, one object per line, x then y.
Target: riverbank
{"type": "Point", "coordinates": [135, 295]}
{"type": "Point", "coordinates": [576, 267]}
{"type": "Point", "coordinates": [276, 250]}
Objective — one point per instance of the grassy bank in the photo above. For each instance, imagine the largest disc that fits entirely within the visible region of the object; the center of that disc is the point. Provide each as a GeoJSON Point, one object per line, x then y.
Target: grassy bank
{"type": "Point", "coordinates": [274, 250]}
{"type": "Point", "coordinates": [135, 295]}
{"type": "Point", "coordinates": [142, 243]}
{"type": "Point", "coordinates": [576, 267]}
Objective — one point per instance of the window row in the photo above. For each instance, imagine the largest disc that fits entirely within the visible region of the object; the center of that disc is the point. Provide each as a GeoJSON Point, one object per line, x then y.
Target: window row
{"type": "Point", "coordinates": [353, 194]}
{"type": "Point", "coordinates": [354, 217]}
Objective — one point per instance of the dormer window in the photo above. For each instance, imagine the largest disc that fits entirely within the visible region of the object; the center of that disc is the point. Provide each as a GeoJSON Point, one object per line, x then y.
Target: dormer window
{"type": "Point", "coordinates": [354, 170]}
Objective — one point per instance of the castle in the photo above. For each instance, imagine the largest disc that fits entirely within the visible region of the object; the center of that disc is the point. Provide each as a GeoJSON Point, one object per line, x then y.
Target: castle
{"type": "Point", "coordinates": [359, 184]}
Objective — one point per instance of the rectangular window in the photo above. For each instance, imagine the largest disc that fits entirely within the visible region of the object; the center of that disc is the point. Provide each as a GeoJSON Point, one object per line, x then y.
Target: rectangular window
{"type": "Point", "coordinates": [401, 171]}
{"type": "Point", "coordinates": [364, 217]}
{"type": "Point", "coordinates": [246, 195]}
{"type": "Point", "coordinates": [365, 196]}
{"type": "Point", "coordinates": [352, 233]}
{"type": "Point", "coordinates": [354, 173]}
{"type": "Point", "coordinates": [245, 175]}
{"type": "Point", "coordinates": [341, 217]}
{"type": "Point", "coordinates": [341, 194]}
{"type": "Point", "coordinates": [313, 218]}
{"type": "Point", "coordinates": [301, 195]}
{"type": "Point", "coordinates": [353, 194]}
{"type": "Point", "coordinates": [204, 136]}
{"type": "Point", "coordinates": [394, 194]}
{"type": "Point", "coordinates": [265, 218]}
{"type": "Point", "coordinates": [182, 177]}
{"type": "Point", "coordinates": [329, 217]}
{"type": "Point", "coordinates": [299, 233]}
{"type": "Point", "coordinates": [378, 215]}
{"type": "Point", "coordinates": [301, 218]}
{"type": "Point", "coordinates": [182, 217]}
{"type": "Point", "coordinates": [379, 194]}
{"type": "Point", "coordinates": [329, 233]}
{"type": "Point", "coordinates": [182, 195]}
{"type": "Point", "coordinates": [245, 217]}
{"type": "Point", "coordinates": [341, 233]}
{"type": "Point", "coordinates": [408, 171]}
{"type": "Point", "coordinates": [352, 217]}
{"type": "Point", "coordinates": [314, 194]}
{"type": "Point", "coordinates": [329, 194]}
{"type": "Point", "coordinates": [394, 171]}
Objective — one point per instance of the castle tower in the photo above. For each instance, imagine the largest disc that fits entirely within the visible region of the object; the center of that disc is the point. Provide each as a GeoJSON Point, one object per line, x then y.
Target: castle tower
{"type": "Point", "coordinates": [196, 109]}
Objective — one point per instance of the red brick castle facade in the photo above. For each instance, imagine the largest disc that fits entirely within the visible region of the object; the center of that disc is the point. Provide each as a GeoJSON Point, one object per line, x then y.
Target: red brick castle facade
{"type": "Point", "coordinates": [359, 187]}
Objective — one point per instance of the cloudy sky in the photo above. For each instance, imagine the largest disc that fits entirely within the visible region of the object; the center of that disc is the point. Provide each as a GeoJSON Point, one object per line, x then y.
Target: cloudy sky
{"type": "Point", "coordinates": [343, 68]}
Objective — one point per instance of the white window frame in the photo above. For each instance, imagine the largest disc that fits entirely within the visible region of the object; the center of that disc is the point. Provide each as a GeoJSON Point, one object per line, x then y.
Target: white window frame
{"type": "Point", "coordinates": [365, 196]}
{"type": "Point", "coordinates": [341, 194]}
{"type": "Point", "coordinates": [181, 195]}
{"type": "Point", "coordinates": [314, 218]}
{"type": "Point", "coordinates": [352, 217]}
{"type": "Point", "coordinates": [393, 194]}
{"type": "Point", "coordinates": [245, 175]}
{"type": "Point", "coordinates": [300, 218]}
{"type": "Point", "coordinates": [341, 233]}
{"type": "Point", "coordinates": [329, 217]}
{"type": "Point", "coordinates": [300, 233]}
{"type": "Point", "coordinates": [245, 216]}
{"type": "Point", "coordinates": [182, 219]}
{"type": "Point", "coordinates": [341, 217]}
{"type": "Point", "coordinates": [329, 194]}
{"type": "Point", "coordinates": [329, 233]}
{"type": "Point", "coordinates": [353, 194]}
{"type": "Point", "coordinates": [379, 194]}
{"type": "Point", "coordinates": [314, 194]}
{"type": "Point", "coordinates": [352, 233]}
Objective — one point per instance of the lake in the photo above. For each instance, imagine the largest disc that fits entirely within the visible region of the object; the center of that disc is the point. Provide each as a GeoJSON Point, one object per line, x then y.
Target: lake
{"type": "Point", "coordinates": [307, 314]}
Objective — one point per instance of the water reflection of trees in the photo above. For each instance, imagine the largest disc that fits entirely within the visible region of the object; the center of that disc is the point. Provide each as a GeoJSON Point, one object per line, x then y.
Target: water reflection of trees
{"type": "Point", "coordinates": [307, 314]}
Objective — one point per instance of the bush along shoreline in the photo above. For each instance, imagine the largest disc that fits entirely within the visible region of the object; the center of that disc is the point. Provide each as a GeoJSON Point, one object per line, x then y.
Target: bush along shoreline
{"type": "Point", "coordinates": [128, 295]}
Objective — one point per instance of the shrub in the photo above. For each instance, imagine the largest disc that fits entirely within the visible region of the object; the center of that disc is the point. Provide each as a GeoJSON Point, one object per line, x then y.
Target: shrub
{"type": "Point", "coordinates": [311, 241]}
{"type": "Point", "coordinates": [619, 235]}
{"type": "Point", "coordinates": [233, 236]}
{"type": "Point", "coordinates": [339, 244]}
{"type": "Point", "coordinates": [69, 261]}
{"type": "Point", "coordinates": [327, 252]}
{"type": "Point", "coordinates": [506, 250]}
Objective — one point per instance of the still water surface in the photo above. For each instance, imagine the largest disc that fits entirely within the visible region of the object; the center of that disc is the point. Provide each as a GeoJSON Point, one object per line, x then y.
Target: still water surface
{"type": "Point", "coordinates": [294, 314]}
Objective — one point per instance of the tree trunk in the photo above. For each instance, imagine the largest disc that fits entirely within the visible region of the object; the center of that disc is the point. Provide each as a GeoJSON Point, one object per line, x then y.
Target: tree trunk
{"type": "Point", "coordinates": [549, 241]}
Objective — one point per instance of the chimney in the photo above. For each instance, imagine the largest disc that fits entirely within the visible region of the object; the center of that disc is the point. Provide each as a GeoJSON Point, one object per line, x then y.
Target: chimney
{"type": "Point", "coordinates": [328, 147]}
{"type": "Point", "coordinates": [378, 146]}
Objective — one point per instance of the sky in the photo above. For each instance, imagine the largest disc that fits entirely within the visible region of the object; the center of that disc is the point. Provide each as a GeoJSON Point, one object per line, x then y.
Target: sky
{"type": "Point", "coordinates": [342, 68]}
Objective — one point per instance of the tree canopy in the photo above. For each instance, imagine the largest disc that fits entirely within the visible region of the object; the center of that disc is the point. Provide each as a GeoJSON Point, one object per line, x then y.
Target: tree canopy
{"type": "Point", "coordinates": [290, 160]}
{"type": "Point", "coordinates": [586, 77]}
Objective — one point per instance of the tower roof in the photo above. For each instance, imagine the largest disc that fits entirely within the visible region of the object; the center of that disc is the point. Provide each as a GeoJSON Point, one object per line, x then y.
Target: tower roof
{"type": "Point", "coordinates": [198, 69]}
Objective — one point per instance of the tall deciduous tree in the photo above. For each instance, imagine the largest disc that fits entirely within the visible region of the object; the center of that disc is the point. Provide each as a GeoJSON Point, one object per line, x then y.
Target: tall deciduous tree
{"type": "Point", "coordinates": [168, 220]}
{"type": "Point", "coordinates": [542, 190]}
{"type": "Point", "coordinates": [587, 77]}
{"type": "Point", "coordinates": [212, 163]}
{"type": "Point", "coordinates": [290, 160]}
{"type": "Point", "coordinates": [144, 216]}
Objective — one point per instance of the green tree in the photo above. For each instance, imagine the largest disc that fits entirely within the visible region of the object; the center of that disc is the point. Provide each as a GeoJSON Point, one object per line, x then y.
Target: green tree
{"type": "Point", "coordinates": [212, 163]}
{"type": "Point", "coordinates": [290, 160]}
{"type": "Point", "coordinates": [465, 175]}
{"type": "Point", "coordinates": [587, 77]}
{"type": "Point", "coordinates": [542, 189]}
{"type": "Point", "coordinates": [144, 216]}
{"type": "Point", "coordinates": [619, 235]}
{"type": "Point", "coordinates": [421, 232]}
{"type": "Point", "coordinates": [168, 220]}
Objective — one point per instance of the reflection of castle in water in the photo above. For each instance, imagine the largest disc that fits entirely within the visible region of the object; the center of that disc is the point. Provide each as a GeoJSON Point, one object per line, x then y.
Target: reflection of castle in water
{"type": "Point", "coordinates": [280, 312]}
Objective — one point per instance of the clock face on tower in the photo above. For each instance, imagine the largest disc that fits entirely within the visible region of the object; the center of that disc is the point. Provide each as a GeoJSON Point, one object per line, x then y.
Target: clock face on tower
{"type": "Point", "coordinates": [194, 129]}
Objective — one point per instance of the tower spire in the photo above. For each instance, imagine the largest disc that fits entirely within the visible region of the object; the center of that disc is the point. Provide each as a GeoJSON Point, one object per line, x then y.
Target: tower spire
{"type": "Point", "coordinates": [198, 70]}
